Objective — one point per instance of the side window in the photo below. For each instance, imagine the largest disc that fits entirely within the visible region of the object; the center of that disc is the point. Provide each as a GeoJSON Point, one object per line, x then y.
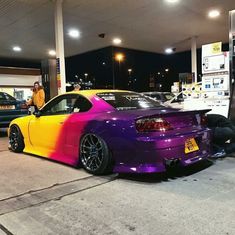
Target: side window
{"type": "Point", "coordinates": [81, 105]}
{"type": "Point", "coordinates": [61, 105]}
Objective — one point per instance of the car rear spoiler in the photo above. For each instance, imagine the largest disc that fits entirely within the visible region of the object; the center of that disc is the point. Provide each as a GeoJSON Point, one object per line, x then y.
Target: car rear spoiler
{"type": "Point", "coordinates": [177, 112]}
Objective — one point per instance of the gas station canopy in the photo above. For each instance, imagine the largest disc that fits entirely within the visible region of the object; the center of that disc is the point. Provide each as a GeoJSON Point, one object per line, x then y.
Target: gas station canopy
{"type": "Point", "coordinates": [150, 25]}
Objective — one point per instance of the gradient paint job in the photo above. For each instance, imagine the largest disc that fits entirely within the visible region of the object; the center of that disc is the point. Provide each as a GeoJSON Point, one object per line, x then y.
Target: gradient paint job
{"type": "Point", "coordinates": [67, 146]}
{"type": "Point", "coordinates": [58, 137]}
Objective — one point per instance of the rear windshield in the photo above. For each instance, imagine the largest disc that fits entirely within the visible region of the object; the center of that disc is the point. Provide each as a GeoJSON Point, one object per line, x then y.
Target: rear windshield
{"type": "Point", "coordinates": [128, 100]}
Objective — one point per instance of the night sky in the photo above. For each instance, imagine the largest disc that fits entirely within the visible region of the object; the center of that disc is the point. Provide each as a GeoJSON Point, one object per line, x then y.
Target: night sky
{"type": "Point", "coordinates": [99, 65]}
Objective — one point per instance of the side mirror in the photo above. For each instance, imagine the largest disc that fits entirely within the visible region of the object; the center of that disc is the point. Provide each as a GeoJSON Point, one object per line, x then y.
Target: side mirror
{"type": "Point", "coordinates": [37, 114]}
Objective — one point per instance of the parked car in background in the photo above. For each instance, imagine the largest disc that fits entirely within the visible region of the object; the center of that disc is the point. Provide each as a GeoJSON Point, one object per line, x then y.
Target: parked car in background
{"type": "Point", "coordinates": [162, 97]}
{"type": "Point", "coordinates": [112, 130]}
{"type": "Point", "coordinates": [176, 102]}
{"type": "Point", "coordinates": [167, 99]}
{"type": "Point", "coordinates": [10, 108]}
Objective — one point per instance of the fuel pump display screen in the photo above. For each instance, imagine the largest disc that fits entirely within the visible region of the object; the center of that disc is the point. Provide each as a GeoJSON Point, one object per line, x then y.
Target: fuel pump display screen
{"type": "Point", "coordinates": [214, 63]}
{"type": "Point", "coordinates": [215, 83]}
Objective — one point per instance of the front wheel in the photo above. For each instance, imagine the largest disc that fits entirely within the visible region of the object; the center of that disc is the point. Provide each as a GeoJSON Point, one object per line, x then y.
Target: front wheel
{"type": "Point", "coordinates": [16, 139]}
{"type": "Point", "coordinates": [95, 155]}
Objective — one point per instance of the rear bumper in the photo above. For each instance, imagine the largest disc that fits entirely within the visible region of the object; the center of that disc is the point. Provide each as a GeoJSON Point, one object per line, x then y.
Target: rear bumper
{"type": "Point", "coordinates": [153, 155]}
{"type": "Point", "coordinates": [158, 167]}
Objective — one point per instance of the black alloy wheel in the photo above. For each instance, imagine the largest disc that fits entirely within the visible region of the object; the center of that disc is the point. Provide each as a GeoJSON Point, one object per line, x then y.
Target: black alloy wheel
{"type": "Point", "coordinates": [16, 139]}
{"type": "Point", "coordinates": [95, 155]}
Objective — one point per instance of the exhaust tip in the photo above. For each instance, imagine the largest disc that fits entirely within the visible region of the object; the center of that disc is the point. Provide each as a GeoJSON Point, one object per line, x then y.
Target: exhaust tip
{"type": "Point", "coordinates": [172, 162]}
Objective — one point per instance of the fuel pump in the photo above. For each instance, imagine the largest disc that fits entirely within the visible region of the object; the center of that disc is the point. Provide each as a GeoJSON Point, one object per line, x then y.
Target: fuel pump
{"type": "Point", "coordinates": [216, 78]}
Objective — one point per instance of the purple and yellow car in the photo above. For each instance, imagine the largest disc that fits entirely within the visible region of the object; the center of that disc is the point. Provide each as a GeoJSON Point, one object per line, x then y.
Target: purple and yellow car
{"type": "Point", "coordinates": [112, 130]}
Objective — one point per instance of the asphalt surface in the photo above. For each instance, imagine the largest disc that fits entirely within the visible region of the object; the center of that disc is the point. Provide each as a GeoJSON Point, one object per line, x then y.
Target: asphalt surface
{"type": "Point", "coordinates": [38, 196]}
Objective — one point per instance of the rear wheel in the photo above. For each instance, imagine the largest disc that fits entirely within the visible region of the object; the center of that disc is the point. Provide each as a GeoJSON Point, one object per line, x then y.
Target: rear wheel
{"type": "Point", "coordinates": [16, 139]}
{"type": "Point", "coordinates": [94, 155]}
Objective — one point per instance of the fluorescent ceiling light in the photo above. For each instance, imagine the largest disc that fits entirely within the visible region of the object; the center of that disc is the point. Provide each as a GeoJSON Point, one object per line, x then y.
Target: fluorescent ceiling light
{"type": "Point", "coordinates": [52, 52]}
{"type": "Point", "coordinates": [74, 33]}
{"type": "Point", "coordinates": [213, 13]}
{"type": "Point", "coordinates": [117, 41]}
{"type": "Point", "coordinates": [17, 48]}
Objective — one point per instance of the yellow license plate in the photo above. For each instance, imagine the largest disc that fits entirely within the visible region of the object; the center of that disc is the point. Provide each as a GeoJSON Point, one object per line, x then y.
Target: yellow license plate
{"type": "Point", "coordinates": [3, 107]}
{"type": "Point", "coordinates": [190, 146]}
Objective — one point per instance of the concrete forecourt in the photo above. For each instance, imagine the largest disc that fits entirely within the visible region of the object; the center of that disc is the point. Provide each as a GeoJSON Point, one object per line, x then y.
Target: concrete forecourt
{"type": "Point", "coordinates": [43, 197]}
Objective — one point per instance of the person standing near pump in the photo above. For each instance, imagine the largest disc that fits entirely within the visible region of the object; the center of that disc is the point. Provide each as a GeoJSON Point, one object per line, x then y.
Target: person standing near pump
{"type": "Point", "coordinates": [38, 97]}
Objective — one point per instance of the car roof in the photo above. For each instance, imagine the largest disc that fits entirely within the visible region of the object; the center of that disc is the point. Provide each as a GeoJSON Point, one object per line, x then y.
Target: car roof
{"type": "Point", "coordinates": [95, 91]}
{"type": "Point", "coordinates": [156, 92]}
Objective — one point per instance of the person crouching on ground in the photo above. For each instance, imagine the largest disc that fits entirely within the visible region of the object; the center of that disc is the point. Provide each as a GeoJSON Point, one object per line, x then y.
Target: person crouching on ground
{"type": "Point", "coordinates": [38, 97]}
{"type": "Point", "coordinates": [223, 134]}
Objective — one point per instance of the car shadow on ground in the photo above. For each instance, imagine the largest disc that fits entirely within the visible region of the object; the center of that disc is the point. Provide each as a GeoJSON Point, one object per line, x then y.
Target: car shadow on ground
{"type": "Point", "coordinates": [3, 132]}
{"type": "Point", "coordinates": [171, 173]}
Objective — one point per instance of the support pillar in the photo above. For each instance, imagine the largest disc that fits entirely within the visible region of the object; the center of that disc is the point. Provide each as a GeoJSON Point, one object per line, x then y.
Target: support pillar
{"type": "Point", "coordinates": [194, 57]}
{"type": "Point", "coordinates": [59, 37]}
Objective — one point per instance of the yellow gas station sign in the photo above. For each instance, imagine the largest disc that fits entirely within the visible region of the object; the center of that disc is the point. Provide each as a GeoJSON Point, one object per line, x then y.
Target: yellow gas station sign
{"type": "Point", "coordinates": [216, 47]}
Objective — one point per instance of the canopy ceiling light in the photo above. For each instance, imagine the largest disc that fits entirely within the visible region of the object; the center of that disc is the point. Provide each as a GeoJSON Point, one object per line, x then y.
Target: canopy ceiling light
{"type": "Point", "coordinates": [169, 50]}
{"type": "Point", "coordinates": [52, 52]}
{"type": "Point", "coordinates": [172, 1]}
{"type": "Point", "coordinates": [117, 41]}
{"type": "Point", "coordinates": [74, 33]}
{"type": "Point", "coordinates": [214, 13]}
{"type": "Point", "coordinates": [16, 48]}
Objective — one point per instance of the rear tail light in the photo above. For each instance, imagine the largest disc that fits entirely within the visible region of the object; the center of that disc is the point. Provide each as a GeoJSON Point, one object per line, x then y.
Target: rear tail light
{"type": "Point", "coordinates": [23, 106]}
{"type": "Point", "coordinates": [152, 124]}
{"type": "Point", "coordinates": [203, 120]}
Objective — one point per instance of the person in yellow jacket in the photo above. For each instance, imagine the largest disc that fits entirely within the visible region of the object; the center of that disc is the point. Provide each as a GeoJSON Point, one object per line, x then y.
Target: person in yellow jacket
{"type": "Point", "coordinates": [38, 97]}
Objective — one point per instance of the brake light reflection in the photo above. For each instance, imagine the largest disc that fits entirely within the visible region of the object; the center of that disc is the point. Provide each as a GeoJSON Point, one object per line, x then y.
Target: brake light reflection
{"type": "Point", "coordinates": [152, 124]}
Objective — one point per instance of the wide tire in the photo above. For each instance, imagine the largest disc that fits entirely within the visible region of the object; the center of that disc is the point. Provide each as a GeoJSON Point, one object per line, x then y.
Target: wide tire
{"type": "Point", "coordinates": [95, 156]}
{"type": "Point", "coordinates": [16, 139]}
